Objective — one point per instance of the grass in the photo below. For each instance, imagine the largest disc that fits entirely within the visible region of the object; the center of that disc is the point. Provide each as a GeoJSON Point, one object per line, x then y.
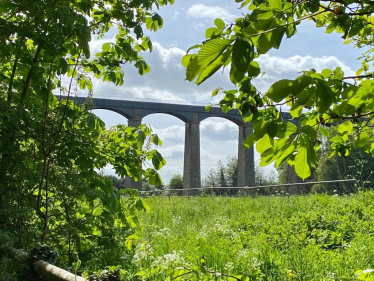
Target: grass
{"type": "Point", "coordinates": [315, 237]}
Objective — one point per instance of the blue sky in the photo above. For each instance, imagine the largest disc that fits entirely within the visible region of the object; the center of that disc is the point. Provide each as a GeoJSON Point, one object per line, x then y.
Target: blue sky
{"type": "Point", "coordinates": [185, 23]}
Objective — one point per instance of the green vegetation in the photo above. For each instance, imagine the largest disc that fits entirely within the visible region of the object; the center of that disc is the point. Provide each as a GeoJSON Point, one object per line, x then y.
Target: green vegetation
{"type": "Point", "coordinates": [316, 237]}
{"type": "Point", "coordinates": [317, 99]}
{"type": "Point", "coordinates": [52, 150]}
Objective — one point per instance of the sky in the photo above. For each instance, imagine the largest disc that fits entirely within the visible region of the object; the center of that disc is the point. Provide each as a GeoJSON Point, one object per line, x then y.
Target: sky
{"type": "Point", "coordinates": [185, 23]}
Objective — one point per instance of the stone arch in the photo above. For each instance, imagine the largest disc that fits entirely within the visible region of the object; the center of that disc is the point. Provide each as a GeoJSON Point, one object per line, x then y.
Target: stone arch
{"type": "Point", "coordinates": [233, 119]}
{"type": "Point", "coordinates": [125, 114]}
{"type": "Point", "coordinates": [219, 134]}
{"type": "Point", "coordinates": [171, 130]}
{"type": "Point", "coordinates": [182, 117]}
{"type": "Point", "coordinates": [111, 117]}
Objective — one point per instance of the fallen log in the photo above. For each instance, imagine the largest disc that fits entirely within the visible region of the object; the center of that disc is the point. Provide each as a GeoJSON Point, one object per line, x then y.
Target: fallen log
{"type": "Point", "coordinates": [46, 270]}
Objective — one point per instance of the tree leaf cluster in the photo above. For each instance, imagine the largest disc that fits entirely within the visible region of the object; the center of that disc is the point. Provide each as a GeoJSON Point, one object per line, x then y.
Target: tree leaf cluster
{"type": "Point", "coordinates": [315, 99]}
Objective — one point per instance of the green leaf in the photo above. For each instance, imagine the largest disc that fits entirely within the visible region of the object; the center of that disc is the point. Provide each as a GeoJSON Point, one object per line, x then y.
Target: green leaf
{"type": "Point", "coordinates": [138, 30]}
{"type": "Point", "coordinates": [147, 44]}
{"type": "Point", "coordinates": [97, 211]}
{"type": "Point", "coordinates": [309, 131]}
{"type": "Point", "coordinates": [275, 4]}
{"type": "Point", "coordinates": [254, 69]}
{"type": "Point", "coordinates": [215, 92]}
{"type": "Point", "coordinates": [291, 30]}
{"type": "Point", "coordinates": [264, 144]}
{"type": "Point", "coordinates": [156, 140]}
{"type": "Point", "coordinates": [211, 50]}
{"type": "Point", "coordinates": [324, 99]}
{"type": "Point", "coordinates": [286, 151]}
{"type": "Point", "coordinates": [193, 69]}
{"type": "Point", "coordinates": [106, 46]}
{"type": "Point", "coordinates": [272, 129]}
{"type": "Point", "coordinates": [186, 60]}
{"type": "Point", "coordinates": [212, 67]}
{"type": "Point", "coordinates": [63, 66]}
{"type": "Point", "coordinates": [301, 161]}
{"type": "Point", "coordinates": [220, 23]}
{"type": "Point", "coordinates": [158, 161]}
{"type": "Point", "coordinates": [91, 120]}
{"type": "Point", "coordinates": [345, 127]}
{"type": "Point", "coordinates": [324, 131]}
{"type": "Point", "coordinates": [142, 67]}
{"type": "Point", "coordinates": [261, 14]}
{"type": "Point", "coordinates": [242, 55]}
{"type": "Point", "coordinates": [284, 88]}
{"type": "Point", "coordinates": [193, 47]}
{"type": "Point", "coordinates": [260, 128]}
{"type": "Point", "coordinates": [250, 140]}
{"type": "Point", "coordinates": [155, 22]}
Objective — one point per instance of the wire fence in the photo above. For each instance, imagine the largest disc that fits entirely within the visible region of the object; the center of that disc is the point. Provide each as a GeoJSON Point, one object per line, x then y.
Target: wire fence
{"type": "Point", "coordinates": [346, 186]}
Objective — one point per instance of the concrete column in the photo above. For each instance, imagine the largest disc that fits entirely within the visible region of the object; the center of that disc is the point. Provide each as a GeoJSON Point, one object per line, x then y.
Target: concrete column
{"type": "Point", "coordinates": [292, 177]}
{"type": "Point", "coordinates": [134, 122]}
{"type": "Point", "coordinates": [246, 160]}
{"type": "Point", "coordinates": [191, 171]}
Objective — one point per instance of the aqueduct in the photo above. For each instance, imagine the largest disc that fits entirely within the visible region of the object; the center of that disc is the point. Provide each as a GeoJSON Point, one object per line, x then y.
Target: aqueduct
{"type": "Point", "coordinates": [191, 115]}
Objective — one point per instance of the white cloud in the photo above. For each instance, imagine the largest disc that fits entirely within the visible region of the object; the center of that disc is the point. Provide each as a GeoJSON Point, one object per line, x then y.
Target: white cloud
{"type": "Point", "coordinates": [170, 57]}
{"type": "Point", "coordinates": [210, 12]}
{"type": "Point", "coordinates": [173, 133]}
{"type": "Point", "coordinates": [174, 152]}
{"type": "Point", "coordinates": [277, 68]}
{"type": "Point", "coordinates": [218, 129]}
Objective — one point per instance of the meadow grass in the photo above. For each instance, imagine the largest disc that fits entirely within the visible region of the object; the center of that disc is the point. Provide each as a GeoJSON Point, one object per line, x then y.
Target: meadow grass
{"type": "Point", "coordinates": [316, 237]}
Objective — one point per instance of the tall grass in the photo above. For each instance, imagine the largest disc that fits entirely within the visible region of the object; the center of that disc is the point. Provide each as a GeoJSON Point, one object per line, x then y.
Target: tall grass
{"type": "Point", "coordinates": [315, 237]}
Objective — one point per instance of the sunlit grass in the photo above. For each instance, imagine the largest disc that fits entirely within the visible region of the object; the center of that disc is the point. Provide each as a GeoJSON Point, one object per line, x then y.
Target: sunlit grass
{"type": "Point", "coordinates": [315, 237]}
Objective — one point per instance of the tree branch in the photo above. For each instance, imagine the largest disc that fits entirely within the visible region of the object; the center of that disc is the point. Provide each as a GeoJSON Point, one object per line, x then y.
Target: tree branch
{"type": "Point", "coordinates": [29, 74]}
{"type": "Point", "coordinates": [358, 76]}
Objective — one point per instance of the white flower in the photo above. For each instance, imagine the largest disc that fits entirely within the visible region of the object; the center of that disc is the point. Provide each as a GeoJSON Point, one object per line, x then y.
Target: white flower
{"type": "Point", "coordinates": [169, 260]}
{"type": "Point", "coordinates": [229, 266]}
{"type": "Point", "coordinates": [164, 232]}
{"type": "Point", "coordinates": [143, 252]}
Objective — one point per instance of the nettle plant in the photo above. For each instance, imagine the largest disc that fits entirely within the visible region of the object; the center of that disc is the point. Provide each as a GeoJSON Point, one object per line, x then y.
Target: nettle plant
{"type": "Point", "coordinates": [317, 100]}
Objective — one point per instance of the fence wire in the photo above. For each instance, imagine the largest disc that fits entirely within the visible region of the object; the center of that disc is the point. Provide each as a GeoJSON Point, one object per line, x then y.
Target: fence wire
{"type": "Point", "coordinates": [347, 186]}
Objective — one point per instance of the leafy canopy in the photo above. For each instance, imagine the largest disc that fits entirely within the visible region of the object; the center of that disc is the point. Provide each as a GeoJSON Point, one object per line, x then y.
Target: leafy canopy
{"type": "Point", "coordinates": [52, 150]}
{"type": "Point", "coordinates": [329, 97]}
{"type": "Point", "coordinates": [315, 99]}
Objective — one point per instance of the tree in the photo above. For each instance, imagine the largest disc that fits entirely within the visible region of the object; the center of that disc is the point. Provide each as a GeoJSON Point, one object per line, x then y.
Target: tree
{"type": "Point", "coordinates": [225, 174]}
{"type": "Point", "coordinates": [357, 165]}
{"type": "Point", "coordinates": [117, 182]}
{"type": "Point", "coordinates": [315, 99]}
{"type": "Point", "coordinates": [51, 148]}
{"type": "Point", "coordinates": [176, 182]}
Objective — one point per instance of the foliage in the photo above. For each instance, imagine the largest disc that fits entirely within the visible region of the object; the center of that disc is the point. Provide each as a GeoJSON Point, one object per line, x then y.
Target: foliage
{"type": "Point", "coordinates": [316, 237]}
{"type": "Point", "coordinates": [225, 174]}
{"type": "Point", "coordinates": [315, 99]}
{"type": "Point", "coordinates": [176, 182]}
{"type": "Point", "coordinates": [357, 165]}
{"type": "Point", "coordinates": [52, 149]}
{"type": "Point", "coordinates": [117, 182]}
{"type": "Point", "coordinates": [110, 273]}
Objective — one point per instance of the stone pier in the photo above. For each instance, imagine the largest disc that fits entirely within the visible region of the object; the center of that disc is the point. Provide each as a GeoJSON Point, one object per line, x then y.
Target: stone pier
{"type": "Point", "coordinates": [246, 166]}
{"type": "Point", "coordinates": [191, 169]}
{"type": "Point", "coordinates": [135, 121]}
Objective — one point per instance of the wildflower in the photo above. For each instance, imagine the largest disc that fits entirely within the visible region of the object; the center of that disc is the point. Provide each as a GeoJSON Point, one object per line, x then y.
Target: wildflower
{"type": "Point", "coordinates": [291, 273]}
{"type": "Point", "coordinates": [229, 266]}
